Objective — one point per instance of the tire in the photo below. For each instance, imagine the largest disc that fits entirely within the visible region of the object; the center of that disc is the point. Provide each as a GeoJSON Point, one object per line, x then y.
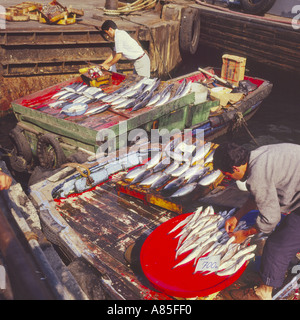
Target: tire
{"type": "Point", "coordinates": [21, 158]}
{"type": "Point", "coordinates": [258, 7]}
{"type": "Point", "coordinates": [49, 152]}
{"type": "Point", "coordinates": [189, 32]}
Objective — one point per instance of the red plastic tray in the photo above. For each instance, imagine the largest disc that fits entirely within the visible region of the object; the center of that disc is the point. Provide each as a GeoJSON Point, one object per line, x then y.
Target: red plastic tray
{"type": "Point", "coordinates": [158, 258]}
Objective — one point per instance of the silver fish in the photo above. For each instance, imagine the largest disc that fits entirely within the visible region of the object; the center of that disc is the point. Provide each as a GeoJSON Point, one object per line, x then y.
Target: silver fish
{"type": "Point", "coordinates": [172, 186]}
{"type": "Point", "coordinates": [197, 176]}
{"type": "Point", "coordinates": [123, 104]}
{"type": "Point", "coordinates": [161, 181]}
{"type": "Point", "coordinates": [172, 167]}
{"type": "Point", "coordinates": [191, 171]}
{"type": "Point", "coordinates": [163, 100]}
{"type": "Point", "coordinates": [197, 251]}
{"type": "Point", "coordinates": [182, 223]}
{"type": "Point", "coordinates": [210, 157]}
{"type": "Point", "coordinates": [234, 268]}
{"type": "Point", "coordinates": [97, 109]}
{"type": "Point", "coordinates": [162, 165]}
{"type": "Point", "coordinates": [180, 170]}
{"type": "Point", "coordinates": [151, 179]}
{"type": "Point", "coordinates": [210, 178]}
{"type": "Point", "coordinates": [187, 189]}
{"type": "Point", "coordinates": [140, 177]}
{"type": "Point", "coordinates": [154, 161]}
{"type": "Point", "coordinates": [134, 172]}
{"type": "Point", "coordinates": [201, 153]}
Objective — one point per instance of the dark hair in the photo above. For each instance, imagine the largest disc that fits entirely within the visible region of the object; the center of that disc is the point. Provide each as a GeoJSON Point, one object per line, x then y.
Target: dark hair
{"type": "Point", "coordinates": [108, 24]}
{"type": "Point", "coordinates": [229, 155]}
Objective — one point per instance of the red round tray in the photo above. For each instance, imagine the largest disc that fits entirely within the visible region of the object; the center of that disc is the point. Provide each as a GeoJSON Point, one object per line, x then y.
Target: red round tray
{"type": "Point", "coordinates": [158, 258]}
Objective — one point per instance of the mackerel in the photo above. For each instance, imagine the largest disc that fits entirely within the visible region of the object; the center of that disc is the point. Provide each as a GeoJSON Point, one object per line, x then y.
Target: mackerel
{"type": "Point", "coordinates": [172, 186]}
{"type": "Point", "coordinates": [185, 190]}
{"type": "Point", "coordinates": [151, 179]}
{"type": "Point", "coordinates": [201, 153]}
{"type": "Point", "coordinates": [180, 170]}
{"type": "Point", "coordinates": [141, 176]}
{"type": "Point", "coordinates": [210, 178]}
{"type": "Point", "coordinates": [161, 181]}
{"type": "Point", "coordinates": [134, 172]}
{"type": "Point", "coordinates": [154, 161]}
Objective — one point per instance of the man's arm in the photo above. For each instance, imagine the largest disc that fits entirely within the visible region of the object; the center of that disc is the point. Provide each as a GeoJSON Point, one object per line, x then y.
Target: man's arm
{"type": "Point", "coordinates": [111, 60]}
{"type": "Point", "coordinates": [232, 222]}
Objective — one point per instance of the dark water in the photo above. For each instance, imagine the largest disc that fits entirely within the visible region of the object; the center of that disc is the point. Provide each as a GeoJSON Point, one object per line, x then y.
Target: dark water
{"type": "Point", "coordinates": [278, 119]}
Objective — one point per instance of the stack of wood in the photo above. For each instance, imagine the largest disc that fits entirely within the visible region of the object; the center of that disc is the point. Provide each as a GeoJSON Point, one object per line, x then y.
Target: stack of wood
{"type": "Point", "coordinates": [52, 13]}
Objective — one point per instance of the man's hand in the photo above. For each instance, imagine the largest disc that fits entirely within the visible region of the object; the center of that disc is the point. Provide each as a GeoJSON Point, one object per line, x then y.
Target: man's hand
{"type": "Point", "coordinates": [5, 181]}
{"type": "Point", "coordinates": [230, 224]}
{"type": "Point", "coordinates": [105, 66]}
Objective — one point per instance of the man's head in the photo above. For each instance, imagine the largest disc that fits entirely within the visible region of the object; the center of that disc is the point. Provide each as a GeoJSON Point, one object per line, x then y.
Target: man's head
{"type": "Point", "coordinates": [109, 28]}
{"type": "Point", "coordinates": [232, 160]}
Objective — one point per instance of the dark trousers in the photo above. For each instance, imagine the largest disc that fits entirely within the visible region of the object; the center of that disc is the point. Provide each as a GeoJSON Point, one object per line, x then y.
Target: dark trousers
{"type": "Point", "coordinates": [279, 250]}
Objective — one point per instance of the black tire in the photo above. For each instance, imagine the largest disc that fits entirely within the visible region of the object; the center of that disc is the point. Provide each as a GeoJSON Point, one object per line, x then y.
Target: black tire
{"type": "Point", "coordinates": [49, 152]}
{"type": "Point", "coordinates": [21, 158]}
{"type": "Point", "coordinates": [258, 7]}
{"type": "Point", "coordinates": [189, 32]}
{"type": "Point", "coordinates": [21, 144]}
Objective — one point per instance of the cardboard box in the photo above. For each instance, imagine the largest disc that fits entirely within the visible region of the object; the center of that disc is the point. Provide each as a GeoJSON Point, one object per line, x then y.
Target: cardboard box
{"type": "Point", "coordinates": [233, 68]}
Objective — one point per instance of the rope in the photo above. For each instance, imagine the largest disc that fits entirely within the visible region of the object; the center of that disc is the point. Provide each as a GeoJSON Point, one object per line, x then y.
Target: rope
{"type": "Point", "coordinates": [131, 7]}
{"type": "Point", "coordinates": [241, 121]}
{"type": "Point", "coordinates": [77, 167]}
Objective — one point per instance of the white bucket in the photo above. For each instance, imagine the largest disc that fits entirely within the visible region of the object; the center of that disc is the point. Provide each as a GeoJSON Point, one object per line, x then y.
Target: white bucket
{"type": "Point", "coordinates": [200, 92]}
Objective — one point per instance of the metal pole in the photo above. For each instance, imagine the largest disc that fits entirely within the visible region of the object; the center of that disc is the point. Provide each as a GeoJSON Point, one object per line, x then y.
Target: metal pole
{"type": "Point", "coordinates": [22, 273]}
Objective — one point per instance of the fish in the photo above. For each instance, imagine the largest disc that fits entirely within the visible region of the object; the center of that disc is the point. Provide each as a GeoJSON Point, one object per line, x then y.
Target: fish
{"type": "Point", "coordinates": [141, 176]}
{"type": "Point", "coordinates": [172, 167]}
{"type": "Point", "coordinates": [197, 251]}
{"type": "Point", "coordinates": [182, 223]}
{"type": "Point", "coordinates": [197, 176]}
{"type": "Point", "coordinates": [164, 163]}
{"type": "Point", "coordinates": [185, 90]}
{"type": "Point", "coordinates": [181, 169]}
{"type": "Point", "coordinates": [210, 157]}
{"type": "Point", "coordinates": [134, 172]}
{"type": "Point", "coordinates": [209, 178]}
{"type": "Point", "coordinates": [234, 268]}
{"type": "Point", "coordinates": [154, 160]}
{"type": "Point", "coordinates": [143, 103]}
{"type": "Point", "coordinates": [151, 179]}
{"type": "Point", "coordinates": [191, 171]}
{"type": "Point", "coordinates": [97, 109]}
{"type": "Point", "coordinates": [122, 105]}
{"type": "Point", "coordinates": [163, 99]}
{"type": "Point", "coordinates": [172, 186]}
{"type": "Point", "coordinates": [154, 99]}
{"type": "Point", "coordinates": [201, 153]}
{"type": "Point", "coordinates": [185, 190]}
{"type": "Point", "coordinates": [76, 108]}
{"type": "Point", "coordinates": [161, 181]}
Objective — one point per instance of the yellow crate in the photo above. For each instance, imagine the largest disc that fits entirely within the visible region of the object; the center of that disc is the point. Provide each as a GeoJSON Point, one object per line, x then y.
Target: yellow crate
{"type": "Point", "coordinates": [233, 68]}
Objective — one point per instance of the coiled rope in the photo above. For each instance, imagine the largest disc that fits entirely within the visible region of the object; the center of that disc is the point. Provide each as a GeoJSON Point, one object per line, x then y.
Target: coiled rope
{"type": "Point", "coordinates": [131, 7]}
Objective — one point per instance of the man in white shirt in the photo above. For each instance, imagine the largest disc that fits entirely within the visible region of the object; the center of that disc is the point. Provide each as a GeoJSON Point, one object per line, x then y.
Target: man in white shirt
{"type": "Point", "coordinates": [127, 47]}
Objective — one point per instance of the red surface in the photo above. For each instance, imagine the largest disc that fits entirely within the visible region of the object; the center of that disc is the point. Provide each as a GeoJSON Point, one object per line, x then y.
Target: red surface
{"type": "Point", "coordinates": [158, 259]}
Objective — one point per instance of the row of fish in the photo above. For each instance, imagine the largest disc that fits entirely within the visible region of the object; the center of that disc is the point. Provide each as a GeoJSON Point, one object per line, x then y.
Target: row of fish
{"type": "Point", "coordinates": [74, 98]}
{"type": "Point", "coordinates": [174, 177]}
{"type": "Point", "coordinates": [203, 233]}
